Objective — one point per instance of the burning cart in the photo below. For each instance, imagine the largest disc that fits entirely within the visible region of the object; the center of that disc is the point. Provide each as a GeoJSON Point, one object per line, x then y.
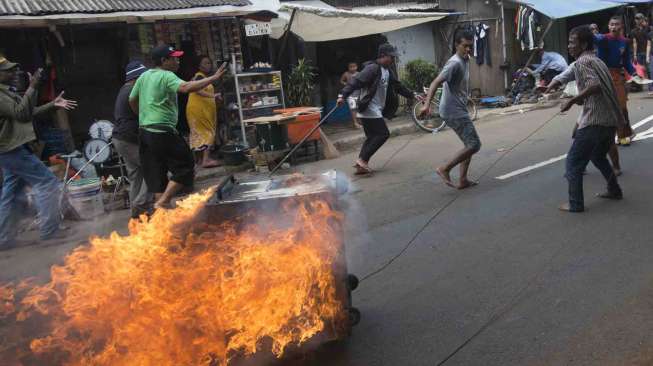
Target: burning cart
{"type": "Point", "coordinates": [282, 198]}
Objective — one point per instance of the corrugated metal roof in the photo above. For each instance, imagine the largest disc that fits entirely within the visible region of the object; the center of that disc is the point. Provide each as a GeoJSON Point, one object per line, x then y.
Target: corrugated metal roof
{"type": "Point", "coordinates": [44, 7]}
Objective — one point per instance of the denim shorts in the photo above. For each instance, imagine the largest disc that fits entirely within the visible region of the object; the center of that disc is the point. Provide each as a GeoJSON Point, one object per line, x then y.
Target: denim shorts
{"type": "Point", "coordinates": [464, 128]}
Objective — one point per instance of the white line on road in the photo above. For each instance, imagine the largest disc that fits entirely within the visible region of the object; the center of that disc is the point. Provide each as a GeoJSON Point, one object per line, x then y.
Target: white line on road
{"type": "Point", "coordinates": [643, 122]}
{"type": "Point", "coordinates": [640, 136]}
{"type": "Point", "coordinates": [532, 167]}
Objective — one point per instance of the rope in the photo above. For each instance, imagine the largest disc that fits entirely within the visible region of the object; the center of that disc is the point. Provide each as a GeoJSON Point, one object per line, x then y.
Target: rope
{"type": "Point", "coordinates": [514, 300]}
{"type": "Point", "coordinates": [451, 201]}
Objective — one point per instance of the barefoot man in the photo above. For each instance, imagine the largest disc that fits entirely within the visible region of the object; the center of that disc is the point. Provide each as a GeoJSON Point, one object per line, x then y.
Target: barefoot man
{"type": "Point", "coordinates": [598, 122]}
{"type": "Point", "coordinates": [453, 109]}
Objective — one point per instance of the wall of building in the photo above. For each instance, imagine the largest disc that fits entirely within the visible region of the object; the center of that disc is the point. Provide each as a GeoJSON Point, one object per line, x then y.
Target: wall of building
{"type": "Point", "coordinates": [413, 43]}
{"type": "Point", "coordinates": [489, 79]}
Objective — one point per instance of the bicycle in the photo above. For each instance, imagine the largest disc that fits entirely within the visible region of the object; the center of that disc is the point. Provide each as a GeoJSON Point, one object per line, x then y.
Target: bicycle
{"type": "Point", "coordinates": [434, 123]}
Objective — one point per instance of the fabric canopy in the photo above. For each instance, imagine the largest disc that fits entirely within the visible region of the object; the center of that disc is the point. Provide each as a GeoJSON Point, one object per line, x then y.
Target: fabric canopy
{"type": "Point", "coordinates": [558, 9]}
{"type": "Point", "coordinates": [318, 24]}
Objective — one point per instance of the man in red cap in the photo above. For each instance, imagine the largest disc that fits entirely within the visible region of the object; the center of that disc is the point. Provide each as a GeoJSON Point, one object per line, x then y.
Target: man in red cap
{"type": "Point", "coordinates": [161, 148]}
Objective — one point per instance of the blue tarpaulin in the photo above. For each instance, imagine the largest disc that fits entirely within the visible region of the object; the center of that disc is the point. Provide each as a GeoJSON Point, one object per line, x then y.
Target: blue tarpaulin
{"type": "Point", "coordinates": [558, 9]}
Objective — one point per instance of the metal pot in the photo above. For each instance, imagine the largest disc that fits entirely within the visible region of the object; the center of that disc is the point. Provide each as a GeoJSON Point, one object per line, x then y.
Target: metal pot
{"type": "Point", "coordinates": [233, 154]}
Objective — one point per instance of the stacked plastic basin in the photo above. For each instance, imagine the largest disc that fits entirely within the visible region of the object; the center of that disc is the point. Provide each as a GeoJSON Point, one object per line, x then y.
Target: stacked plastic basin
{"type": "Point", "coordinates": [305, 119]}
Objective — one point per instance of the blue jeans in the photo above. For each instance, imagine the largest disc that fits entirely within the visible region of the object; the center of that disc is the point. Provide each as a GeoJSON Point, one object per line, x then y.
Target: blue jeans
{"type": "Point", "coordinates": [20, 168]}
{"type": "Point", "coordinates": [591, 143]}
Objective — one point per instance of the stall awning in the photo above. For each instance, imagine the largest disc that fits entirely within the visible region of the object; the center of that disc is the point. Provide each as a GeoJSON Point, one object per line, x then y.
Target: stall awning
{"type": "Point", "coordinates": [106, 15]}
{"type": "Point", "coordinates": [558, 9]}
{"type": "Point", "coordinates": [318, 24]}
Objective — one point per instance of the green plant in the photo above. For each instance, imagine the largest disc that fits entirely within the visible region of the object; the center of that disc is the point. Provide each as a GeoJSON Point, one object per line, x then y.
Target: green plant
{"type": "Point", "coordinates": [299, 84]}
{"type": "Point", "coordinates": [419, 73]}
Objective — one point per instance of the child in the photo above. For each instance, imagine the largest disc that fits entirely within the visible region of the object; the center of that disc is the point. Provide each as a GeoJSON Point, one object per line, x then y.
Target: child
{"type": "Point", "coordinates": [352, 70]}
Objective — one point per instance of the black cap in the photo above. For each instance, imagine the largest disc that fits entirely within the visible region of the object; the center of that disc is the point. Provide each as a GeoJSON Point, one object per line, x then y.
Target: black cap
{"type": "Point", "coordinates": [134, 69]}
{"type": "Point", "coordinates": [165, 50]}
{"type": "Point", "coordinates": [387, 49]}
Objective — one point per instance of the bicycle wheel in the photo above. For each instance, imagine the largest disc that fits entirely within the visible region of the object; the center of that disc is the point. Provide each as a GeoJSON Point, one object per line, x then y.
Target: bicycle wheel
{"type": "Point", "coordinates": [433, 123]}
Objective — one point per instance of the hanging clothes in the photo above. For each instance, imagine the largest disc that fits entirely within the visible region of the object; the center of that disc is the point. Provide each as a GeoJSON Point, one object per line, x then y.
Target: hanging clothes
{"type": "Point", "coordinates": [482, 44]}
{"type": "Point", "coordinates": [528, 28]}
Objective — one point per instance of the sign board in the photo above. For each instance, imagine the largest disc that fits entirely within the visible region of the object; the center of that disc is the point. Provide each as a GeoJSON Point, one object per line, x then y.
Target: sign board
{"type": "Point", "coordinates": [257, 29]}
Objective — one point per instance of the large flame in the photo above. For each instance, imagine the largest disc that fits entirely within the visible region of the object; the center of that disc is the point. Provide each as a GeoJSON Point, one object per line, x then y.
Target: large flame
{"type": "Point", "coordinates": [178, 292]}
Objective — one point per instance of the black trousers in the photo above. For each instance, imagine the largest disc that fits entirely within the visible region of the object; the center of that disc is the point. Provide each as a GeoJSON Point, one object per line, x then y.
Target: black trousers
{"type": "Point", "coordinates": [376, 133]}
{"type": "Point", "coordinates": [165, 152]}
{"type": "Point", "coordinates": [590, 144]}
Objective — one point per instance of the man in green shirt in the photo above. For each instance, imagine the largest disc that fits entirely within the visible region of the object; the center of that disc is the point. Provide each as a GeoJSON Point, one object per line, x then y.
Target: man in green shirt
{"type": "Point", "coordinates": [161, 148]}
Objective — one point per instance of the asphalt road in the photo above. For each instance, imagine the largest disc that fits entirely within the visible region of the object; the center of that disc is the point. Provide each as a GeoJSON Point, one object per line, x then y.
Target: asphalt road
{"type": "Point", "coordinates": [500, 276]}
{"type": "Point", "coordinates": [494, 275]}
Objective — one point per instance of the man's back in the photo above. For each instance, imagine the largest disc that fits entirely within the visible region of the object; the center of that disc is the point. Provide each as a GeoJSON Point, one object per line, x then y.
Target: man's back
{"type": "Point", "coordinates": [125, 121]}
{"type": "Point", "coordinates": [157, 90]}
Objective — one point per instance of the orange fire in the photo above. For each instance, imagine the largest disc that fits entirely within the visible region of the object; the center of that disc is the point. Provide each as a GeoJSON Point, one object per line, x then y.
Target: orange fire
{"type": "Point", "coordinates": [179, 292]}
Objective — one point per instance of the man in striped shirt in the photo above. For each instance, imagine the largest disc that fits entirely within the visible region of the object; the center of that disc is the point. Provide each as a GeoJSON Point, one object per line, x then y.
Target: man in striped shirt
{"type": "Point", "coordinates": [601, 116]}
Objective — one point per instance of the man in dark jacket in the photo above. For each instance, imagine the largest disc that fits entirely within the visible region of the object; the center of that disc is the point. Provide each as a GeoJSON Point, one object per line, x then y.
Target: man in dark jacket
{"type": "Point", "coordinates": [125, 140]}
{"type": "Point", "coordinates": [377, 83]}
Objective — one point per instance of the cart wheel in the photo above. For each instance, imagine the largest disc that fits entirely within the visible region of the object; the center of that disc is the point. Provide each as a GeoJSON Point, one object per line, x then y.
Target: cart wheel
{"type": "Point", "coordinates": [352, 282]}
{"type": "Point", "coordinates": [354, 316]}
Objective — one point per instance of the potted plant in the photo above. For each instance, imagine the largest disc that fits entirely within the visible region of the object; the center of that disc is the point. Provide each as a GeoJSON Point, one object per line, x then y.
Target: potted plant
{"type": "Point", "coordinates": [418, 74]}
{"type": "Point", "coordinates": [300, 84]}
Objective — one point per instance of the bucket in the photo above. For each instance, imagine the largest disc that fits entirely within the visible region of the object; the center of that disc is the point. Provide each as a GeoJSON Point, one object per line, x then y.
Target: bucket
{"type": "Point", "coordinates": [85, 195]}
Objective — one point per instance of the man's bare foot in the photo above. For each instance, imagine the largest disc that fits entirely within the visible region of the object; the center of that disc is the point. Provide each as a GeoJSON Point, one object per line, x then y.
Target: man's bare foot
{"type": "Point", "coordinates": [445, 177]}
{"type": "Point", "coordinates": [467, 184]}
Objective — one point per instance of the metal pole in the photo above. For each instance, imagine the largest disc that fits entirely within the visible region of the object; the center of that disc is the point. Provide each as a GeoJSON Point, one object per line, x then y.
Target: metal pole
{"type": "Point", "coordinates": [503, 47]}
{"type": "Point", "coordinates": [301, 142]}
{"type": "Point", "coordinates": [239, 100]}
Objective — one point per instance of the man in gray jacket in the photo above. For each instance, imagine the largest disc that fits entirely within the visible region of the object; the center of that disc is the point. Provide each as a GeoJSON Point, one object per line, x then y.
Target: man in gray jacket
{"type": "Point", "coordinates": [19, 166]}
{"type": "Point", "coordinates": [377, 83]}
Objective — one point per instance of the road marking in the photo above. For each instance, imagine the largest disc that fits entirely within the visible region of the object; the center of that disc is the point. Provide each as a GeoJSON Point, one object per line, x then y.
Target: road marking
{"type": "Point", "coordinates": [532, 167]}
{"type": "Point", "coordinates": [640, 136]}
{"type": "Point", "coordinates": [643, 122]}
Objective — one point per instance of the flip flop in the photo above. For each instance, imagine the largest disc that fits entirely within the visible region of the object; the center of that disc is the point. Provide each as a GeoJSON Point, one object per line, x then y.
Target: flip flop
{"type": "Point", "coordinates": [469, 184]}
{"type": "Point", "coordinates": [447, 182]}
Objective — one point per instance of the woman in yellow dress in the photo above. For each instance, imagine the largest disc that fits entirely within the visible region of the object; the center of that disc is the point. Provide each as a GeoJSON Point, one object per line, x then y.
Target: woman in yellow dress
{"type": "Point", "coordinates": [201, 113]}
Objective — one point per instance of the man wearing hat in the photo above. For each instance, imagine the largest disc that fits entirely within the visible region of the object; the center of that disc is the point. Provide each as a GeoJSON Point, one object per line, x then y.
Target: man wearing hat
{"type": "Point", "coordinates": [161, 148]}
{"type": "Point", "coordinates": [19, 165]}
{"type": "Point", "coordinates": [125, 140]}
{"type": "Point", "coordinates": [377, 83]}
